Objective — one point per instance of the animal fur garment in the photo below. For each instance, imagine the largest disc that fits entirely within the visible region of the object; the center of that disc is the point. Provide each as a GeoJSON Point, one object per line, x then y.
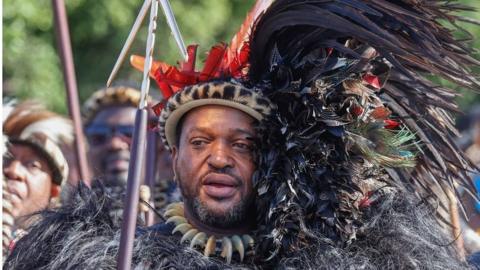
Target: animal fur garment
{"type": "Point", "coordinates": [358, 137]}
{"type": "Point", "coordinates": [356, 111]}
{"type": "Point", "coordinates": [399, 233]}
{"type": "Point", "coordinates": [356, 108]}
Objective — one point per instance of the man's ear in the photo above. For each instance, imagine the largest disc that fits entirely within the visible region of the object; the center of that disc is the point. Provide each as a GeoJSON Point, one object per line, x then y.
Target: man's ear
{"type": "Point", "coordinates": [55, 191]}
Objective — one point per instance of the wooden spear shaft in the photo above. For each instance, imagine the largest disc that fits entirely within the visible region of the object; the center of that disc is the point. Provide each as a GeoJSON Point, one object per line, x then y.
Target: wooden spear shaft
{"type": "Point", "coordinates": [137, 155]}
{"type": "Point", "coordinates": [150, 173]}
{"type": "Point", "coordinates": [65, 51]}
{"type": "Point", "coordinates": [135, 169]}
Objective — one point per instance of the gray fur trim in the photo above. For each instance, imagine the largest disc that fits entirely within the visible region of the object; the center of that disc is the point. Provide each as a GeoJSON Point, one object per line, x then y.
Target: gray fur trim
{"type": "Point", "coordinates": [398, 234]}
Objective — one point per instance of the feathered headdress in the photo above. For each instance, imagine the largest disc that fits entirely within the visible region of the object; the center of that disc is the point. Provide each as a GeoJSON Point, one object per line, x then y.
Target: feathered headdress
{"type": "Point", "coordinates": [352, 111]}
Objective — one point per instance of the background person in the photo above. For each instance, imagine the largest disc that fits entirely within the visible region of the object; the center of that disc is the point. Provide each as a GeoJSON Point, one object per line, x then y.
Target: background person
{"type": "Point", "coordinates": [34, 167]}
{"type": "Point", "coordinates": [109, 118]}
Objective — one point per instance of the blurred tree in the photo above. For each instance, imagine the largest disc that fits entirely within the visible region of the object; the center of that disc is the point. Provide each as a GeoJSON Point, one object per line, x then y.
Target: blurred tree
{"type": "Point", "coordinates": [29, 57]}
{"type": "Point", "coordinates": [469, 98]}
{"type": "Point", "coordinates": [98, 31]}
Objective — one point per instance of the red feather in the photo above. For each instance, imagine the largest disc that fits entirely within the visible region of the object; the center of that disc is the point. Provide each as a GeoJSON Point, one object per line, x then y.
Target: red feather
{"type": "Point", "coordinates": [356, 110]}
{"type": "Point", "coordinates": [221, 60]}
{"type": "Point", "coordinates": [213, 63]}
{"type": "Point", "coordinates": [189, 66]}
{"type": "Point", "coordinates": [372, 80]}
{"type": "Point", "coordinates": [380, 113]}
{"type": "Point", "coordinates": [242, 36]}
{"type": "Point", "coordinates": [157, 109]}
{"type": "Point", "coordinates": [365, 201]}
{"type": "Point", "coordinates": [390, 124]}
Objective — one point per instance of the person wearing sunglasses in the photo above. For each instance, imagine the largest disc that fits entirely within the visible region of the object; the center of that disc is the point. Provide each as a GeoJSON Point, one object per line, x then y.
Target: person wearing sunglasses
{"type": "Point", "coordinates": [109, 117]}
{"type": "Point", "coordinates": [109, 131]}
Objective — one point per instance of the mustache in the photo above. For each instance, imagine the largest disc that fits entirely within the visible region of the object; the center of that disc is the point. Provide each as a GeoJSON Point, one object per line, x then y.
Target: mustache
{"type": "Point", "coordinates": [225, 171]}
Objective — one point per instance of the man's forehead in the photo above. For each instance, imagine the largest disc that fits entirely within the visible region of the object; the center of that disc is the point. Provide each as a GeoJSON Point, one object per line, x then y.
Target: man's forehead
{"type": "Point", "coordinates": [115, 114]}
{"type": "Point", "coordinates": [19, 150]}
{"type": "Point", "coordinates": [229, 130]}
{"type": "Point", "coordinates": [219, 117]}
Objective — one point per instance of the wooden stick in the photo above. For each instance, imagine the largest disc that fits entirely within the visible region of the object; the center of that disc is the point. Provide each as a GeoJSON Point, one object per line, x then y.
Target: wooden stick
{"type": "Point", "coordinates": [137, 155]}
{"type": "Point", "coordinates": [150, 170]}
{"type": "Point", "coordinates": [130, 209]}
{"type": "Point", "coordinates": [65, 51]}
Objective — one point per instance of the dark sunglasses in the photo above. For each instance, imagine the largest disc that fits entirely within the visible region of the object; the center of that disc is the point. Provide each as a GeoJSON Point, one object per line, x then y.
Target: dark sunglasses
{"type": "Point", "coordinates": [100, 134]}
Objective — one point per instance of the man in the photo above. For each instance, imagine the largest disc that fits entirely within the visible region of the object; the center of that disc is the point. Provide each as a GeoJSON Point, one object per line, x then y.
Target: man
{"type": "Point", "coordinates": [214, 158]}
{"type": "Point", "coordinates": [307, 160]}
{"type": "Point", "coordinates": [109, 117]}
{"type": "Point", "coordinates": [33, 166]}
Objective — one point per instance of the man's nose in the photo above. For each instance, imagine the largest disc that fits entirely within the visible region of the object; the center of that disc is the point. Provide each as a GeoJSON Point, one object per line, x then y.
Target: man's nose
{"type": "Point", "coordinates": [220, 156]}
{"type": "Point", "coordinates": [14, 171]}
{"type": "Point", "coordinates": [119, 142]}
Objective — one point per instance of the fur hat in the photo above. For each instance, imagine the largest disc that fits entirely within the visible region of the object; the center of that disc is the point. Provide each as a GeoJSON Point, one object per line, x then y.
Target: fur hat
{"type": "Point", "coordinates": [48, 149]}
{"type": "Point", "coordinates": [112, 96]}
{"type": "Point", "coordinates": [211, 93]}
{"type": "Point", "coordinates": [31, 124]}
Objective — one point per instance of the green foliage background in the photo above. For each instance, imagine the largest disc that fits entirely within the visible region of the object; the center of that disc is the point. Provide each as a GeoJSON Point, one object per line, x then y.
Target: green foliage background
{"type": "Point", "coordinates": [98, 30]}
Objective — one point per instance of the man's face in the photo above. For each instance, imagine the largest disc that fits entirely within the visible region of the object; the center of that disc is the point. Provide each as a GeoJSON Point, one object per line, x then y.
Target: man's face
{"type": "Point", "coordinates": [110, 135]}
{"type": "Point", "coordinates": [214, 164]}
{"type": "Point", "coordinates": [29, 180]}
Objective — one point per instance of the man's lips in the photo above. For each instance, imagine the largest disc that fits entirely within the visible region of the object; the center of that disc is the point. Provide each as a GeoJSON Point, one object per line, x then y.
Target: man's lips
{"type": "Point", "coordinates": [116, 166]}
{"type": "Point", "coordinates": [117, 162]}
{"type": "Point", "coordinates": [220, 186]}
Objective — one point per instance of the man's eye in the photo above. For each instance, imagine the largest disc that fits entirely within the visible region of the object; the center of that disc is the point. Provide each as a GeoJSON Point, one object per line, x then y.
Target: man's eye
{"type": "Point", "coordinates": [97, 139]}
{"type": "Point", "coordinates": [7, 160]}
{"type": "Point", "coordinates": [34, 164]}
{"type": "Point", "coordinates": [243, 146]}
{"type": "Point", "coordinates": [198, 142]}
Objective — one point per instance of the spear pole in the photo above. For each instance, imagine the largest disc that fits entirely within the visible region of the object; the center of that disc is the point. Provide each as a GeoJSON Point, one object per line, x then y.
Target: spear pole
{"type": "Point", "coordinates": [65, 52]}
{"type": "Point", "coordinates": [150, 171]}
{"type": "Point", "coordinates": [137, 155]}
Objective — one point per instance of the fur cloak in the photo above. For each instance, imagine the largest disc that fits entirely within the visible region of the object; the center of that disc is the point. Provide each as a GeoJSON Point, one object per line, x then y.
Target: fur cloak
{"type": "Point", "coordinates": [399, 233]}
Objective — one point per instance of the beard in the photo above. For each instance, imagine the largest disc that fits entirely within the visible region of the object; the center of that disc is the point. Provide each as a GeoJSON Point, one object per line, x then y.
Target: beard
{"type": "Point", "coordinates": [116, 174]}
{"type": "Point", "coordinates": [116, 179]}
{"type": "Point", "coordinates": [232, 218]}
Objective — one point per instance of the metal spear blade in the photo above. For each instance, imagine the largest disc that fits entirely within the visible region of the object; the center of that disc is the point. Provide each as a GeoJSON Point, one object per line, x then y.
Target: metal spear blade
{"type": "Point", "coordinates": [167, 9]}
{"type": "Point", "coordinates": [131, 36]}
{"type": "Point", "coordinates": [152, 26]}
